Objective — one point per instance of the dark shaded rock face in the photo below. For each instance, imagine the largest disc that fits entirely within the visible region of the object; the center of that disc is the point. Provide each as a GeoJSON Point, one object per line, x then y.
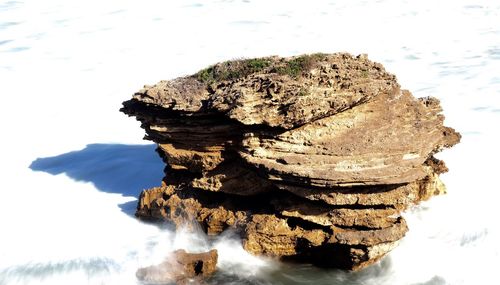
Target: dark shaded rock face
{"type": "Point", "coordinates": [179, 268]}
{"type": "Point", "coordinates": [310, 158]}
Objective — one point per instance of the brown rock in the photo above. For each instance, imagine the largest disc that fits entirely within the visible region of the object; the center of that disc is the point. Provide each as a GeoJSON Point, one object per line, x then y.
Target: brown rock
{"type": "Point", "coordinates": [183, 94]}
{"type": "Point", "coordinates": [399, 196]}
{"type": "Point", "coordinates": [254, 91]}
{"type": "Point", "coordinates": [343, 217]}
{"type": "Point", "coordinates": [329, 84]}
{"type": "Point", "coordinates": [214, 213]}
{"type": "Point", "coordinates": [192, 160]}
{"type": "Point", "coordinates": [310, 158]}
{"type": "Point", "coordinates": [370, 144]}
{"type": "Point", "coordinates": [179, 267]}
{"type": "Point", "coordinates": [233, 178]}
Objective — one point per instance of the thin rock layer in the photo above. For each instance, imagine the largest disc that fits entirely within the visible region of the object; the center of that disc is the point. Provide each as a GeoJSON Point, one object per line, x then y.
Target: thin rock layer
{"type": "Point", "coordinates": [310, 158]}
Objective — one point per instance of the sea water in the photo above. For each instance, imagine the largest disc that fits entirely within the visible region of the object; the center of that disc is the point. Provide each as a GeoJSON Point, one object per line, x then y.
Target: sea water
{"type": "Point", "coordinates": [73, 166]}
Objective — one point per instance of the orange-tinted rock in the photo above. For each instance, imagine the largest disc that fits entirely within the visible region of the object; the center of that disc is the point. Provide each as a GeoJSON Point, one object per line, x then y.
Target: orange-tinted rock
{"type": "Point", "coordinates": [180, 267]}
{"type": "Point", "coordinates": [310, 158]}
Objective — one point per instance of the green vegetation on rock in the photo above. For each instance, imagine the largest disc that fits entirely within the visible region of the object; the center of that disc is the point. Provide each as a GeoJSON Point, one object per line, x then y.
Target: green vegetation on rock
{"type": "Point", "coordinates": [235, 69]}
{"type": "Point", "coordinates": [300, 64]}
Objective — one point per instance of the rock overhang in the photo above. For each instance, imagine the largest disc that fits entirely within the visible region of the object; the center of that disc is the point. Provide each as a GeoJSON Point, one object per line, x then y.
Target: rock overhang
{"type": "Point", "coordinates": [325, 147]}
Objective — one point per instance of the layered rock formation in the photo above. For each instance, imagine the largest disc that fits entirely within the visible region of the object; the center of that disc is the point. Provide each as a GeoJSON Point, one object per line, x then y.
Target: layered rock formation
{"type": "Point", "coordinates": [310, 158]}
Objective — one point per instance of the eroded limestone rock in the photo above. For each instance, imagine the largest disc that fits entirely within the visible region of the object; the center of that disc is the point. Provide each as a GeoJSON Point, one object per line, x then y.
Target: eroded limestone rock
{"type": "Point", "coordinates": [310, 158]}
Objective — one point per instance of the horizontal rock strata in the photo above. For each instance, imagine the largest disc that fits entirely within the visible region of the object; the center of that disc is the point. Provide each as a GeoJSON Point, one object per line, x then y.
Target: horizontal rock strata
{"type": "Point", "coordinates": [310, 158]}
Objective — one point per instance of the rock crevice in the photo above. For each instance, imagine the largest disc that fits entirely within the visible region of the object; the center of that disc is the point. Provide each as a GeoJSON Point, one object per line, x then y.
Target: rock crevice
{"type": "Point", "coordinates": [310, 158]}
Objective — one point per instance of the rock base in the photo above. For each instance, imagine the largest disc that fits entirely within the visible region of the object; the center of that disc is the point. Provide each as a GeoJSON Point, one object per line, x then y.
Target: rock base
{"type": "Point", "coordinates": [180, 267]}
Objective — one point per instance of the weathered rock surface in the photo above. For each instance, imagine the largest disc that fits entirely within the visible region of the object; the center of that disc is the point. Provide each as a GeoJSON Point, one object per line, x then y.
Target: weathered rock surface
{"type": "Point", "coordinates": [180, 267]}
{"type": "Point", "coordinates": [310, 158]}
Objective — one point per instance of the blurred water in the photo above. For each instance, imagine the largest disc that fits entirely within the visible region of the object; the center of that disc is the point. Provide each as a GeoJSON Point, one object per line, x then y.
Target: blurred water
{"type": "Point", "coordinates": [65, 67]}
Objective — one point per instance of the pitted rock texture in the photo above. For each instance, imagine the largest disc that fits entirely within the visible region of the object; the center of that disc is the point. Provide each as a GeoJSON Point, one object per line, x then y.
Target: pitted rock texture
{"type": "Point", "coordinates": [310, 158]}
{"type": "Point", "coordinates": [180, 267]}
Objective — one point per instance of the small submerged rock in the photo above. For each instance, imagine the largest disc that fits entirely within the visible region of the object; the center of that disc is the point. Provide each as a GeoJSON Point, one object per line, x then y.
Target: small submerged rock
{"type": "Point", "coordinates": [310, 158]}
{"type": "Point", "coordinates": [180, 267]}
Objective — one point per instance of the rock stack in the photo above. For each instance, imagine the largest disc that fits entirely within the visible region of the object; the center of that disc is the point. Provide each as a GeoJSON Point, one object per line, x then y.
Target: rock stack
{"type": "Point", "coordinates": [309, 158]}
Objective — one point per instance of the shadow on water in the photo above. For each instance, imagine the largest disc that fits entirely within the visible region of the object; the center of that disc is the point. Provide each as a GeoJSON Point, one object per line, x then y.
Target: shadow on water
{"type": "Point", "coordinates": [112, 168]}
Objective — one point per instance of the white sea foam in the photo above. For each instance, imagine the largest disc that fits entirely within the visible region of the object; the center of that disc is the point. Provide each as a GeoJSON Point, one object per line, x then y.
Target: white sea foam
{"type": "Point", "coordinates": [65, 66]}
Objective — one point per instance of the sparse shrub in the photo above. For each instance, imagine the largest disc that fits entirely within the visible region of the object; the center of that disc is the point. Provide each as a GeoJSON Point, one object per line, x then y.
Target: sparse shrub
{"type": "Point", "coordinates": [300, 64]}
{"type": "Point", "coordinates": [235, 69]}
{"type": "Point", "coordinates": [230, 70]}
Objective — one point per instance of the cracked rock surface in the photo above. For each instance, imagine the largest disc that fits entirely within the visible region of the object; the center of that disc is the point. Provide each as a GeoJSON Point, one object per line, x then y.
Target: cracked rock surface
{"type": "Point", "coordinates": [180, 267]}
{"type": "Point", "coordinates": [310, 158]}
